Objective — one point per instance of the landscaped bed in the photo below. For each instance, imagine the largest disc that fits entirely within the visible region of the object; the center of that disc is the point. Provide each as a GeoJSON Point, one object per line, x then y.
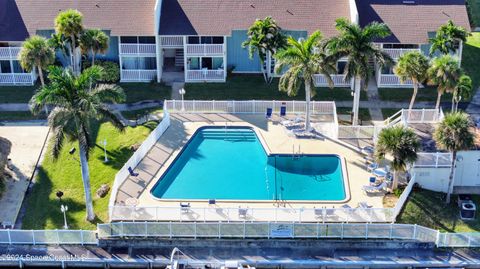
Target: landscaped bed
{"type": "Point", "coordinates": [428, 208]}
{"type": "Point", "coordinates": [254, 87]}
{"type": "Point", "coordinates": [43, 207]}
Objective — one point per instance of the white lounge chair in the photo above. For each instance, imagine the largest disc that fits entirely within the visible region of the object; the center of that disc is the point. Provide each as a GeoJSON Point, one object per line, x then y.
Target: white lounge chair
{"type": "Point", "coordinates": [375, 189]}
{"type": "Point", "coordinates": [372, 167]}
{"type": "Point", "coordinates": [364, 205]}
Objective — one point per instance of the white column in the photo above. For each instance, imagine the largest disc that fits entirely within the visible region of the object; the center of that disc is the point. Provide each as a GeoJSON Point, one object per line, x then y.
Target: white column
{"type": "Point", "coordinates": [159, 55]}
{"type": "Point", "coordinates": [13, 73]}
{"type": "Point", "coordinates": [224, 58]}
{"type": "Point", "coordinates": [185, 64]}
{"type": "Point", "coordinates": [120, 57]}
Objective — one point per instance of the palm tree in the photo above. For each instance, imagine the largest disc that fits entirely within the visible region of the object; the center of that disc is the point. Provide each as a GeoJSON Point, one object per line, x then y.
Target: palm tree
{"type": "Point", "coordinates": [400, 142]}
{"type": "Point", "coordinates": [70, 24]}
{"type": "Point", "coordinates": [94, 41]}
{"type": "Point", "coordinates": [36, 53]}
{"type": "Point", "coordinates": [412, 66]}
{"type": "Point", "coordinates": [75, 107]}
{"type": "Point", "coordinates": [264, 37]}
{"type": "Point", "coordinates": [304, 59]}
{"type": "Point", "coordinates": [447, 38]}
{"type": "Point", "coordinates": [463, 90]}
{"type": "Point", "coordinates": [453, 134]}
{"type": "Point", "coordinates": [444, 72]}
{"type": "Point", "coordinates": [357, 45]}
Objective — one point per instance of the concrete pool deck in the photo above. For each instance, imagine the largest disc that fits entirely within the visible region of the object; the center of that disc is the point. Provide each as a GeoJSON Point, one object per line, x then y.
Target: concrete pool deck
{"type": "Point", "coordinates": [277, 140]}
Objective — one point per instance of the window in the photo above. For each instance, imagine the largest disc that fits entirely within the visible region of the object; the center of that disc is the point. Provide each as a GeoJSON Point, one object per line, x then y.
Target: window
{"type": "Point", "coordinates": [387, 70]}
{"type": "Point", "coordinates": [341, 67]}
{"type": "Point", "coordinates": [207, 63]}
{"type": "Point", "coordinates": [400, 46]}
{"type": "Point", "coordinates": [193, 40]}
{"type": "Point", "coordinates": [194, 63]}
{"type": "Point", "coordinates": [217, 63]}
{"type": "Point", "coordinates": [5, 67]}
{"type": "Point", "coordinates": [217, 40]}
{"type": "Point", "coordinates": [146, 40]}
{"type": "Point", "coordinates": [17, 68]}
{"type": "Point", "coordinates": [139, 63]}
{"type": "Point", "coordinates": [129, 39]}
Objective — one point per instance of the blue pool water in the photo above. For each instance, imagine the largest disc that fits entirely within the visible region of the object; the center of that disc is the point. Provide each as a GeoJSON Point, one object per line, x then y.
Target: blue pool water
{"type": "Point", "coordinates": [231, 164]}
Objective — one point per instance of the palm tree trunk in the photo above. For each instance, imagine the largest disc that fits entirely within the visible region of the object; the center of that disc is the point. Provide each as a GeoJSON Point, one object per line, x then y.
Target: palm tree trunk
{"type": "Point", "coordinates": [437, 105]}
{"type": "Point", "coordinates": [93, 57]}
{"type": "Point", "coordinates": [264, 72]}
{"type": "Point", "coordinates": [74, 55]}
{"type": "Point", "coordinates": [307, 99]}
{"type": "Point", "coordinates": [40, 74]}
{"type": "Point", "coordinates": [412, 101]}
{"type": "Point", "coordinates": [453, 104]}
{"type": "Point", "coordinates": [395, 180]}
{"type": "Point", "coordinates": [356, 100]}
{"type": "Point", "coordinates": [450, 178]}
{"type": "Point", "coordinates": [86, 183]}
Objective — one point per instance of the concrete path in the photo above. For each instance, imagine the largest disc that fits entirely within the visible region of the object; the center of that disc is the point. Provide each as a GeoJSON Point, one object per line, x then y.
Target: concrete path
{"type": "Point", "coordinates": [372, 93]}
{"type": "Point", "coordinates": [278, 255]}
{"type": "Point", "coordinates": [176, 86]}
{"type": "Point", "coordinates": [474, 107]}
{"type": "Point", "coordinates": [27, 142]}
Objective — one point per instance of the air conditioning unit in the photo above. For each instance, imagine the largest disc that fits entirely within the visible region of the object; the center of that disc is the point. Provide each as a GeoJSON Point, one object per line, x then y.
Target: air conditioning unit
{"type": "Point", "coordinates": [467, 211]}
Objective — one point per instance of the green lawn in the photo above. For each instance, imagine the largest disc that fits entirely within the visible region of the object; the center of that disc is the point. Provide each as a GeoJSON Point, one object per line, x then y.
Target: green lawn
{"type": "Point", "coordinates": [145, 91]}
{"type": "Point", "coordinates": [137, 114]}
{"type": "Point", "coordinates": [473, 7]}
{"type": "Point", "coordinates": [363, 113]}
{"type": "Point", "coordinates": [63, 174]}
{"type": "Point", "coordinates": [471, 56]}
{"type": "Point", "coordinates": [388, 112]}
{"type": "Point", "coordinates": [428, 94]}
{"type": "Point", "coordinates": [254, 87]}
{"type": "Point", "coordinates": [16, 94]}
{"type": "Point", "coordinates": [427, 208]}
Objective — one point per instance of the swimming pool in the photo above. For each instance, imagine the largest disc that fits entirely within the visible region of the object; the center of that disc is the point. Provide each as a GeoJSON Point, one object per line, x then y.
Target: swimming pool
{"type": "Point", "coordinates": [231, 164]}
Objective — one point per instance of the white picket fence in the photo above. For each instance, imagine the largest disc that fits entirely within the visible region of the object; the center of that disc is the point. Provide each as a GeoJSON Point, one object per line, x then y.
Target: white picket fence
{"type": "Point", "coordinates": [123, 173]}
{"type": "Point", "coordinates": [45, 237]}
{"type": "Point", "coordinates": [248, 107]}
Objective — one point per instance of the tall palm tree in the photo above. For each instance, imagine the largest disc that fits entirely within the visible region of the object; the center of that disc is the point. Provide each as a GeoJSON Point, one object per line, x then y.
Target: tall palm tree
{"type": "Point", "coordinates": [70, 24]}
{"type": "Point", "coordinates": [454, 134]}
{"type": "Point", "coordinates": [304, 59]}
{"type": "Point", "coordinates": [444, 72]}
{"type": "Point", "coordinates": [356, 43]}
{"type": "Point", "coordinates": [412, 66]}
{"type": "Point", "coordinates": [36, 53]}
{"type": "Point", "coordinates": [94, 41]}
{"type": "Point", "coordinates": [463, 90]}
{"type": "Point", "coordinates": [400, 142]}
{"type": "Point", "coordinates": [447, 38]}
{"type": "Point", "coordinates": [61, 43]}
{"type": "Point", "coordinates": [264, 37]}
{"type": "Point", "coordinates": [75, 107]}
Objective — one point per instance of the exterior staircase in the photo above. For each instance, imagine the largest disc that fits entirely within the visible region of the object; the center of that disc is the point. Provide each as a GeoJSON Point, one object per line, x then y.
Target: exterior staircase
{"type": "Point", "coordinates": [179, 60]}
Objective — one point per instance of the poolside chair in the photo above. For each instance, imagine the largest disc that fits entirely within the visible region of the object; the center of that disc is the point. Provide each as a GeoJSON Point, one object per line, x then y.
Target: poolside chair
{"type": "Point", "coordinates": [318, 212]}
{"type": "Point", "coordinates": [283, 111]}
{"type": "Point", "coordinates": [375, 189]}
{"type": "Point", "coordinates": [185, 207]}
{"type": "Point", "coordinates": [242, 212]}
{"type": "Point", "coordinates": [372, 167]}
{"type": "Point", "coordinates": [364, 205]}
{"type": "Point", "coordinates": [268, 115]}
{"type": "Point", "coordinates": [132, 173]}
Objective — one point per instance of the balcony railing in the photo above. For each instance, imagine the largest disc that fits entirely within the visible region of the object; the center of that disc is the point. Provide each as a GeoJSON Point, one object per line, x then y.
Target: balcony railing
{"type": "Point", "coordinates": [17, 79]}
{"type": "Point", "coordinates": [386, 80]}
{"type": "Point", "coordinates": [171, 41]}
{"type": "Point", "coordinates": [138, 75]}
{"type": "Point", "coordinates": [137, 49]}
{"type": "Point", "coordinates": [205, 49]}
{"type": "Point", "coordinates": [396, 53]}
{"type": "Point", "coordinates": [338, 81]}
{"type": "Point", "coordinates": [205, 75]}
{"type": "Point", "coordinates": [9, 52]}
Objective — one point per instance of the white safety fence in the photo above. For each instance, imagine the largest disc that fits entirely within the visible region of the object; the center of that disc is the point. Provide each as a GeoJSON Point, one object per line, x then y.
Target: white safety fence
{"type": "Point", "coordinates": [267, 230]}
{"type": "Point", "coordinates": [403, 198]}
{"type": "Point", "coordinates": [249, 107]}
{"type": "Point", "coordinates": [44, 237]}
{"type": "Point", "coordinates": [347, 215]}
{"type": "Point", "coordinates": [433, 159]}
{"type": "Point", "coordinates": [123, 173]}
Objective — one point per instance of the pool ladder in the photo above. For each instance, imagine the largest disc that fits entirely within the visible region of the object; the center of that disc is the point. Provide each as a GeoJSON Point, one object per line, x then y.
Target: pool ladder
{"type": "Point", "coordinates": [296, 155]}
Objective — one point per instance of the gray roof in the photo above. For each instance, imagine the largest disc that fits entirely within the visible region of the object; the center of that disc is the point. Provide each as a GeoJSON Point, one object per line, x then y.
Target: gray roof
{"type": "Point", "coordinates": [12, 26]}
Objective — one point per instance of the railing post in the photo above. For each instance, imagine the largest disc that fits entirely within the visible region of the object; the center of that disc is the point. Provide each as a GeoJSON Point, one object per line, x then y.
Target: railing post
{"type": "Point", "coordinates": [244, 229]}
{"type": "Point", "coordinates": [366, 230]}
{"type": "Point", "coordinates": [219, 229]}
{"type": "Point", "coordinates": [58, 237]}
{"type": "Point", "coordinates": [121, 229]}
{"type": "Point", "coordinates": [391, 231]}
{"type": "Point", "coordinates": [436, 159]}
{"type": "Point", "coordinates": [423, 115]}
{"type": "Point", "coordinates": [195, 229]}
{"type": "Point", "coordinates": [170, 229]}
{"type": "Point", "coordinates": [293, 105]}
{"type": "Point", "coordinates": [341, 235]}
{"type": "Point", "coordinates": [33, 238]}
{"type": "Point", "coordinates": [437, 240]}
{"type": "Point", "coordinates": [414, 231]}
{"type": "Point", "coordinates": [9, 237]}
{"type": "Point", "coordinates": [81, 237]}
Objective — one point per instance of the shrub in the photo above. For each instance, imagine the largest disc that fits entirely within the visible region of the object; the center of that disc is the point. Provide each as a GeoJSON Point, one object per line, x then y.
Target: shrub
{"type": "Point", "coordinates": [111, 70]}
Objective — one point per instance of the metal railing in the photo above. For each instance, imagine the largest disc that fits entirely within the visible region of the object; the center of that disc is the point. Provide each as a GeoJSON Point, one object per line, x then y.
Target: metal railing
{"type": "Point", "coordinates": [205, 75]}
{"type": "Point", "coordinates": [171, 41]}
{"type": "Point", "coordinates": [338, 80]}
{"type": "Point", "coordinates": [251, 106]}
{"type": "Point", "coordinates": [17, 78]}
{"type": "Point", "coordinates": [396, 53]}
{"type": "Point", "coordinates": [422, 115]}
{"type": "Point", "coordinates": [257, 214]}
{"type": "Point", "coordinates": [403, 197]}
{"type": "Point", "coordinates": [267, 230]}
{"type": "Point", "coordinates": [123, 173]}
{"type": "Point", "coordinates": [204, 49]}
{"type": "Point", "coordinates": [43, 237]}
{"type": "Point", "coordinates": [434, 159]}
{"type": "Point", "coordinates": [138, 49]}
{"type": "Point", "coordinates": [138, 75]}
{"type": "Point", "coordinates": [392, 80]}
{"type": "Point", "coordinates": [9, 53]}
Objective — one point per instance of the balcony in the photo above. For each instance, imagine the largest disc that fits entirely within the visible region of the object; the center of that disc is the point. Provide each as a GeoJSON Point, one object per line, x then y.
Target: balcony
{"type": "Point", "coordinates": [205, 75]}
{"type": "Point", "coordinates": [8, 53]}
{"type": "Point", "coordinates": [396, 53]}
{"type": "Point", "coordinates": [137, 49]}
{"type": "Point", "coordinates": [338, 81]}
{"type": "Point", "coordinates": [138, 75]}
{"type": "Point", "coordinates": [390, 80]}
{"type": "Point", "coordinates": [205, 49]}
{"type": "Point", "coordinates": [17, 79]}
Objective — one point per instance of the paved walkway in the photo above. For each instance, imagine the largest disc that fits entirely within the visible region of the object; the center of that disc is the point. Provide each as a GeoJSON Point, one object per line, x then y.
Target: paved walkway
{"type": "Point", "coordinates": [176, 86]}
{"type": "Point", "coordinates": [27, 142]}
{"type": "Point", "coordinates": [372, 92]}
{"type": "Point", "coordinates": [474, 107]}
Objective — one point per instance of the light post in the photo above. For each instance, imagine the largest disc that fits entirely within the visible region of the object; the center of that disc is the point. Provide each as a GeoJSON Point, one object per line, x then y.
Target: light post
{"type": "Point", "coordinates": [64, 210]}
{"type": "Point", "coordinates": [182, 93]}
{"type": "Point", "coordinates": [105, 149]}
